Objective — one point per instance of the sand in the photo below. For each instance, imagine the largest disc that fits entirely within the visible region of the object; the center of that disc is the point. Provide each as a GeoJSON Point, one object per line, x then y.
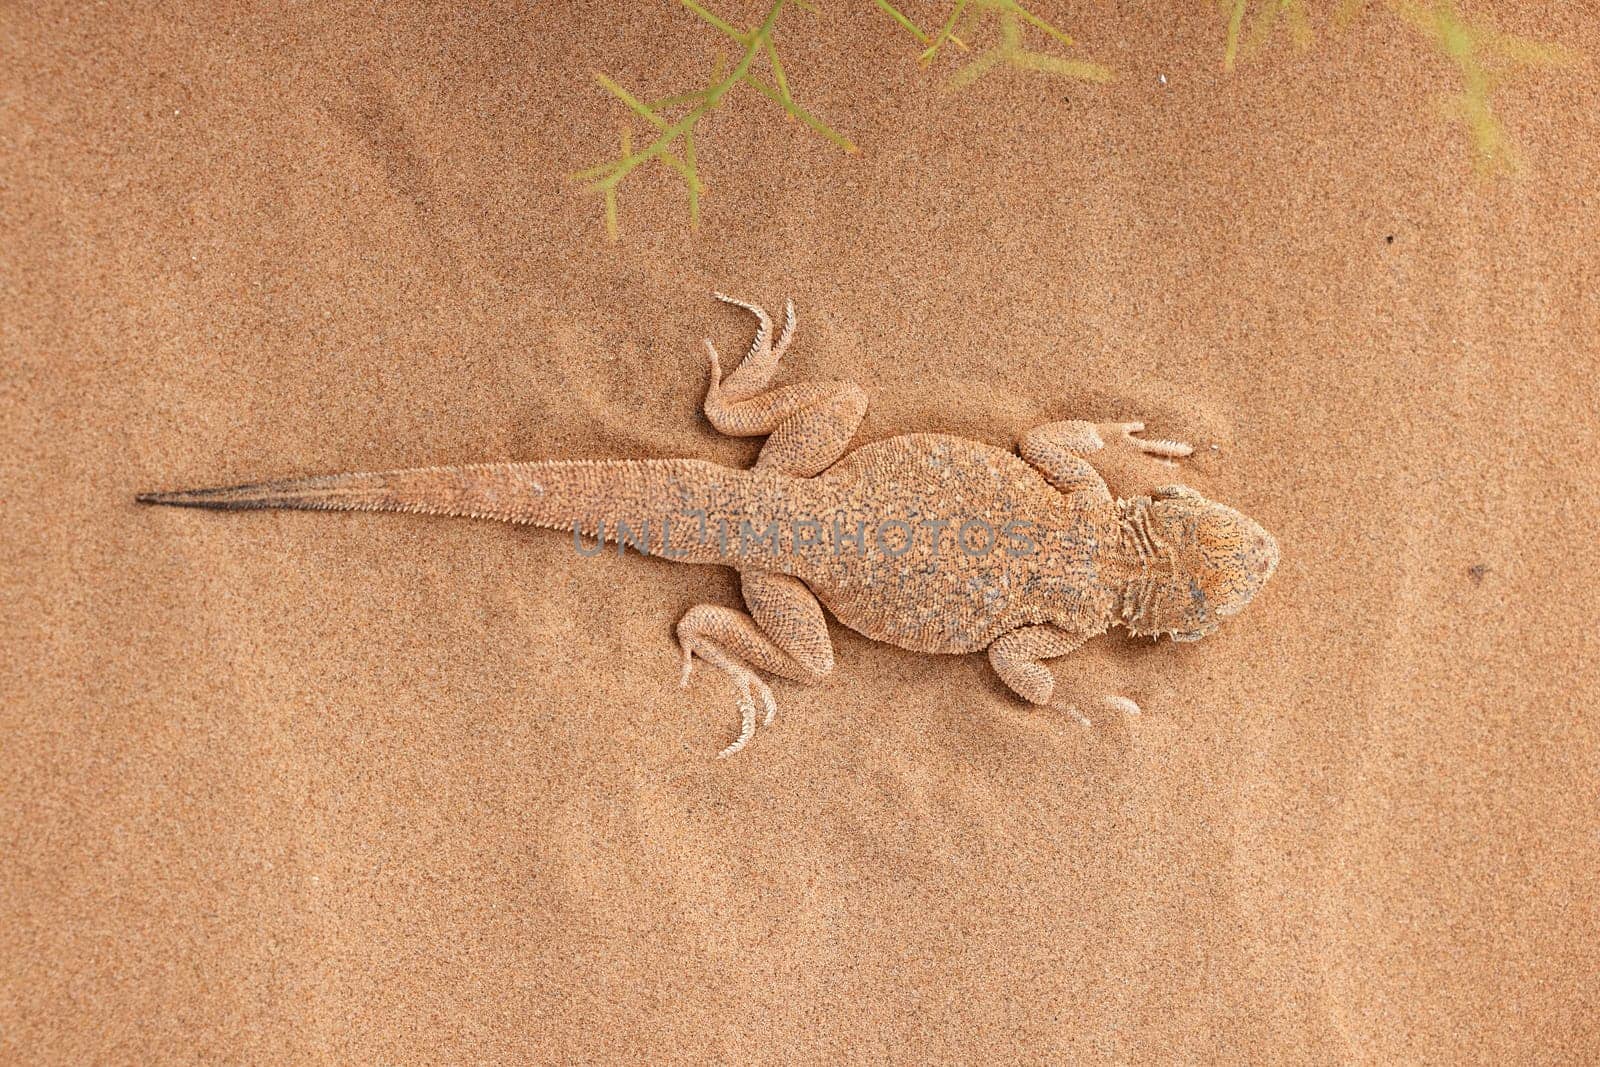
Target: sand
{"type": "Point", "coordinates": [299, 788]}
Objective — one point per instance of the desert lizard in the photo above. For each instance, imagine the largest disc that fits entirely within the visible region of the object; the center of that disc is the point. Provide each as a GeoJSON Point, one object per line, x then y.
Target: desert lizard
{"type": "Point", "coordinates": [926, 541]}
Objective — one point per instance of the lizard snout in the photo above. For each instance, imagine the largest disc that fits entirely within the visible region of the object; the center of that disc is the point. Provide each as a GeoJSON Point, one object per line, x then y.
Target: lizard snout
{"type": "Point", "coordinates": [1261, 554]}
{"type": "Point", "coordinates": [1219, 561]}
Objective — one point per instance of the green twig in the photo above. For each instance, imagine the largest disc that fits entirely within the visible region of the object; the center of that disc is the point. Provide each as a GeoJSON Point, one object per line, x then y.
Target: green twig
{"type": "Point", "coordinates": [1230, 50]}
{"type": "Point", "coordinates": [1011, 17]}
{"type": "Point", "coordinates": [944, 32]}
{"type": "Point", "coordinates": [713, 20]}
{"type": "Point", "coordinates": [802, 114]}
{"type": "Point", "coordinates": [605, 178]}
{"type": "Point", "coordinates": [895, 13]}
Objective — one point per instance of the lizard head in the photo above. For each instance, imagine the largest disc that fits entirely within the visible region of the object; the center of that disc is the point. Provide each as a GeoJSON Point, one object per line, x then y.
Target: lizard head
{"type": "Point", "coordinates": [1200, 563]}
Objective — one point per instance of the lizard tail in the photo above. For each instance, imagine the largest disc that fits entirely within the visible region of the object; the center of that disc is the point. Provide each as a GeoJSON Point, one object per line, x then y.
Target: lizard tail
{"type": "Point", "coordinates": [486, 491]}
{"type": "Point", "coordinates": [593, 496]}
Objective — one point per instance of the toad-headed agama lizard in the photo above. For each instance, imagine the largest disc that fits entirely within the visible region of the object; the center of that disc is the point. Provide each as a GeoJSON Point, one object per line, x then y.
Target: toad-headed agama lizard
{"type": "Point", "coordinates": [926, 541]}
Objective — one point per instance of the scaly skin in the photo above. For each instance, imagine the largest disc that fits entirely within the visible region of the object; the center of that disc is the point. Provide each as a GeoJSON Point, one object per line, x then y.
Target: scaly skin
{"type": "Point", "coordinates": [929, 542]}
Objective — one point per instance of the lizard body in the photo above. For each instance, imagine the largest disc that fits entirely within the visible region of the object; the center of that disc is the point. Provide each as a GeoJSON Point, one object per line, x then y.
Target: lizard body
{"type": "Point", "coordinates": [926, 541]}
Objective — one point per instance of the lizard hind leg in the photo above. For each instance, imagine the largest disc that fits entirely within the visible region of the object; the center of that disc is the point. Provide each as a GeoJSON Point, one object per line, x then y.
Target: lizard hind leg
{"type": "Point", "coordinates": [810, 424]}
{"type": "Point", "coordinates": [1018, 658]}
{"type": "Point", "coordinates": [785, 634]}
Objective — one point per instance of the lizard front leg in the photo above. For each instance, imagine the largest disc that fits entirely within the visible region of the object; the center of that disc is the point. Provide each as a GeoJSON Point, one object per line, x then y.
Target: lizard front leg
{"type": "Point", "coordinates": [785, 633]}
{"type": "Point", "coordinates": [1017, 656]}
{"type": "Point", "coordinates": [1016, 659]}
{"type": "Point", "coordinates": [810, 424]}
{"type": "Point", "coordinates": [1057, 450]}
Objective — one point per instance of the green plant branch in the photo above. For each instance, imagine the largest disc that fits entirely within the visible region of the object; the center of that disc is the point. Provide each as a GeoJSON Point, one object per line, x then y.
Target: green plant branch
{"type": "Point", "coordinates": [1011, 16]}
{"type": "Point", "coordinates": [1268, 14]}
{"type": "Point", "coordinates": [800, 113]}
{"type": "Point", "coordinates": [605, 178]}
{"type": "Point", "coordinates": [616, 170]}
{"type": "Point", "coordinates": [1230, 50]}
{"type": "Point", "coordinates": [725, 27]}
{"type": "Point", "coordinates": [894, 13]}
{"type": "Point", "coordinates": [944, 32]}
{"type": "Point", "coordinates": [677, 163]}
{"type": "Point", "coordinates": [676, 101]}
{"type": "Point", "coordinates": [1040, 24]}
{"type": "Point", "coordinates": [1482, 57]}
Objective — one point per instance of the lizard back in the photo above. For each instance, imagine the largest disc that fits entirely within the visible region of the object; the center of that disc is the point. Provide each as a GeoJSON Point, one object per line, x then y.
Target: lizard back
{"type": "Point", "coordinates": [939, 544]}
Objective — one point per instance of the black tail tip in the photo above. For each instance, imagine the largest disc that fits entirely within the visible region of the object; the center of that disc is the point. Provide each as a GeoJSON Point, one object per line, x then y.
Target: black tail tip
{"type": "Point", "coordinates": [230, 498]}
{"type": "Point", "coordinates": [192, 498]}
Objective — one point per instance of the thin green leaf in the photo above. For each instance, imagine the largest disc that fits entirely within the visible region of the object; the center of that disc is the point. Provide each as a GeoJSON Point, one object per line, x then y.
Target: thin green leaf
{"type": "Point", "coordinates": [802, 114]}
{"type": "Point", "coordinates": [777, 73]}
{"type": "Point", "coordinates": [726, 27]}
{"type": "Point", "coordinates": [1523, 52]}
{"type": "Point", "coordinates": [593, 172]}
{"type": "Point", "coordinates": [692, 185]}
{"type": "Point", "coordinates": [1010, 33]}
{"type": "Point", "coordinates": [970, 73]}
{"type": "Point", "coordinates": [1071, 68]}
{"type": "Point", "coordinates": [894, 13]}
{"type": "Point", "coordinates": [944, 32]}
{"type": "Point", "coordinates": [673, 160]}
{"type": "Point", "coordinates": [676, 101]}
{"type": "Point", "coordinates": [1034, 20]}
{"type": "Point", "coordinates": [637, 106]}
{"type": "Point", "coordinates": [1230, 51]}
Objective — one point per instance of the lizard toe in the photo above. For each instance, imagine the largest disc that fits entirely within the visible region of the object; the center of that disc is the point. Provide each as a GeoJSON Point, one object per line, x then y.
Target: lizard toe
{"type": "Point", "coordinates": [1126, 705]}
{"type": "Point", "coordinates": [747, 727]}
{"type": "Point", "coordinates": [1163, 449]}
{"type": "Point", "coordinates": [768, 704]}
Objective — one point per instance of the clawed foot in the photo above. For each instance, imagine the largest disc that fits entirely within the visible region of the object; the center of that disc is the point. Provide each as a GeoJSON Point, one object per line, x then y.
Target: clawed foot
{"type": "Point", "coordinates": [761, 361]}
{"type": "Point", "coordinates": [747, 686]}
{"type": "Point", "coordinates": [1126, 705]}
{"type": "Point", "coordinates": [1163, 450]}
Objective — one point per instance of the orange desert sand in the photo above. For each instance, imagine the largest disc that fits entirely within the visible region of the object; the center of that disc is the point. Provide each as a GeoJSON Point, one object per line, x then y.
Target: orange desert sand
{"type": "Point", "coordinates": [290, 787]}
